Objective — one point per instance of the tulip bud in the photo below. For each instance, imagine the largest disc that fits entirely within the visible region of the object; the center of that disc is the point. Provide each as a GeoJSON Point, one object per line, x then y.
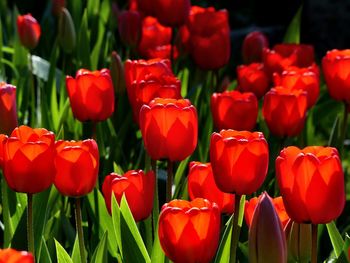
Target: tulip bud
{"type": "Point", "coordinates": [57, 5]}
{"type": "Point", "coordinates": [267, 242]}
{"type": "Point", "coordinates": [299, 241]}
{"type": "Point", "coordinates": [253, 45]}
{"type": "Point", "coordinates": [117, 73]}
{"type": "Point", "coordinates": [66, 31]}
{"type": "Point", "coordinates": [130, 27]}
{"type": "Point", "coordinates": [8, 109]}
{"type": "Point", "coordinates": [28, 30]}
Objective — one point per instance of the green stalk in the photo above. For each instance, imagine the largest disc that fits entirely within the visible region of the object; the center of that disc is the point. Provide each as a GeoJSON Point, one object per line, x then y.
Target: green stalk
{"type": "Point", "coordinates": [169, 182]}
{"type": "Point", "coordinates": [314, 243]}
{"type": "Point", "coordinates": [78, 221]}
{"type": "Point", "coordinates": [236, 230]}
{"type": "Point", "coordinates": [30, 232]}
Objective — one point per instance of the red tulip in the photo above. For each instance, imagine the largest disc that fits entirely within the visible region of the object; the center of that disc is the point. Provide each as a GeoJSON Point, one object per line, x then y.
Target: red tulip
{"type": "Point", "coordinates": [91, 95]}
{"type": "Point", "coordinates": [169, 128]}
{"type": "Point", "coordinates": [8, 109]}
{"type": "Point", "coordinates": [209, 41]}
{"type": "Point", "coordinates": [9, 255]}
{"type": "Point", "coordinates": [130, 26]}
{"type": "Point", "coordinates": [277, 203]}
{"type": "Point", "coordinates": [29, 159]}
{"type": "Point", "coordinates": [77, 167]}
{"type": "Point", "coordinates": [234, 110]}
{"type": "Point", "coordinates": [311, 181]}
{"type": "Point", "coordinates": [201, 184]}
{"type": "Point", "coordinates": [155, 40]}
{"type": "Point", "coordinates": [146, 80]}
{"type": "Point", "coordinates": [146, 6]}
{"type": "Point", "coordinates": [172, 13]}
{"type": "Point", "coordinates": [284, 111]}
{"type": "Point", "coordinates": [336, 69]}
{"type": "Point", "coordinates": [253, 45]}
{"type": "Point", "coordinates": [285, 55]}
{"type": "Point", "coordinates": [301, 79]}
{"type": "Point", "coordinates": [189, 231]}
{"type": "Point", "coordinates": [253, 78]}
{"type": "Point", "coordinates": [28, 30]}
{"type": "Point", "coordinates": [239, 160]}
{"type": "Point", "coordinates": [3, 138]}
{"type": "Point", "coordinates": [138, 189]}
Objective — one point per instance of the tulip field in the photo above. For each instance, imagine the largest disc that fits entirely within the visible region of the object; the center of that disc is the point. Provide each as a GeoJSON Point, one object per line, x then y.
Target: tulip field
{"type": "Point", "coordinates": [130, 133]}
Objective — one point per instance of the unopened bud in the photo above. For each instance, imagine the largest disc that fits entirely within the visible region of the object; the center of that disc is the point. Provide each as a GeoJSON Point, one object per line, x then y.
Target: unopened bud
{"type": "Point", "coordinates": [66, 31]}
{"type": "Point", "coordinates": [117, 73]}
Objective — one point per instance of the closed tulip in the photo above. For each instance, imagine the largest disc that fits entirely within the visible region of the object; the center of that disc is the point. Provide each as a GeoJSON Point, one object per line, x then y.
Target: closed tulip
{"type": "Point", "coordinates": [305, 79]}
{"type": "Point", "coordinates": [253, 45]}
{"type": "Point", "coordinates": [9, 255]}
{"type": "Point", "coordinates": [285, 55]}
{"type": "Point", "coordinates": [91, 95]}
{"type": "Point", "coordinates": [284, 111]}
{"type": "Point", "coordinates": [277, 203]}
{"type": "Point", "coordinates": [239, 160]}
{"type": "Point", "coordinates": [149, 79]}
{"type": "Point", "coordinates": [130, 26]}
{"type": "Point", "coordinates": [57, 6]}
{"type": "Point", "coordinates": [66, 31]}
{"type": "Point", "coordinates": [28, 31]}
{"type": "Point", "coordinates": [169, 128]}
{"type": "Point", "coordinates": [234, 110]}
{"type": "Point", "coordinates": [189, 231]}
{"type": "Point", "coordinates": [336, 70]}
{"type": "Point", "coordinates": [29, 159]}
{"type": "Point", "coordinates": [77, 165]}
{"type": "Point", "coordinates": [172, 13]}
{"type": "Point", "coordinates": [267, 241]}
{"type": "Point", "coordinates": [311, 181]}
{"type": "Point", "coordinates": [201, 184]}
{"type": "Point", "coordinates": [253, 78]}
{"type": "Point", "coordinates": [138, 188]}
{"type": "Point", "coordinates": [8, 108]}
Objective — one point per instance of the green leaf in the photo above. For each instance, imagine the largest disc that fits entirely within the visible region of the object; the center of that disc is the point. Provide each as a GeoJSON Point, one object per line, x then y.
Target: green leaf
{"type": "Point", "coordinates": [76, 251]}
{"type": "Point", "coordinates": [84, 43]}
{"type": "Point", "coordinates": [336, 239]}
{"type": "Point", "coordinates": [62, 255]}
{"type": "Point", "coordinates": [116, 224]}
{"type": "Point", "coordinates": [293, 32]}
{"type": "Point", "coordinates": [223, 254]}
{"type": "Point", "coordinates": [157, 255]}
{"type": "Point", "coordinates": [100, 254]}
{"type": "Point", "coordinates": [44, 254]}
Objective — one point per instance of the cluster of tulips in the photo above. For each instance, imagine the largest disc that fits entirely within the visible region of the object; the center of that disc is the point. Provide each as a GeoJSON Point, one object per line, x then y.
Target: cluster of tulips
{"type": "Point", "coordinates": [285, 78]}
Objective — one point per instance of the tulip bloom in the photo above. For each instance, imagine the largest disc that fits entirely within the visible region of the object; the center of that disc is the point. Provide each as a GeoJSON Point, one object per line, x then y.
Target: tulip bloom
{"type": "Point", "coordinates": [284, 111]}
{"type": "Point", "coordinates": [77, 167]}
{"type": "Point", "coordinates": [267, 241]}
{"type": "Point", "coordinates": [239, 160]}
{"type": "Point", "coordinates": [169, 128]}
{"type": "Point", "coordinates": [285, 55]}
{"type": "Point", "coordinates": [311, 181]}
{"type": "Point", "coordinates": [138, 189]}
{"type": "Point", "coordinates": [28, 162]}
{"type": "Point", "coordinates": [209, 29]}
{"type": "Point", "coordinates": [3, 137]}
{"type": "Point", "coordinates": [253, 78]}
{"type": "Point", "coordinates": [149, 79]}
{"type": "Point", "coordinates": [130, 26]}
{"type": "Point", "coordinates": [277, 203]}
{"type": "Point", "coordinates": [172, 13]}
{"type": "Point", "coordinates": [189, 231]}
{"type": "Point", "coordinates": [201, 184]}
{"type": "Point", "coordinates": [91, 95]}
{"type": "Point", "coordinates": [305, 79]}
{"type": "Point", "coordinates": [336, 70]}
{"type": "Point", "coordinates": [9, 255]}
{"type": "Point", "coordinates": [253, 45]}
{"type": "Point", "coordinates": [234, 110]}
{"type": "Point", "coordinates": [28, 31]}
{"type": "Point", "coordinates": [8, 108]}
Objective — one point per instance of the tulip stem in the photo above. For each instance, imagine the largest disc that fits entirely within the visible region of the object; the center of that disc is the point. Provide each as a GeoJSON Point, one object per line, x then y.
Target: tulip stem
{"type": "Point", "coordinates": [169, 181]}
{"type": "Point", "coordinates": [78, 221]}
{"type": "Point", "coordinates": [344, 126]}
{"type": "Point", "coordinates": [30, 232]}
{"type": "Point", "coordinates": [155, 212]}
{"type": "Point", "coordinates": [236, 230]}
{"type": "Point", "coordinates": [314, 243]}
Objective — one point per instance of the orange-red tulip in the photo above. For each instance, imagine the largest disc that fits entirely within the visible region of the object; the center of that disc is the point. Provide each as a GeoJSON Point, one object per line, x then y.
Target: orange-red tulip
{"type": "Point", "coordinates": [239, 160]}
{"type": "Point", "coordinates": [169, 128]}
{"type": "Point", "coordinates": [189, 231]}
{"type": "Point", "coordinates": [234, 110]}
{"type": "Point", "coordinates": [9, 255]}
{"type": "Point", "coordinates": [336, 70]}
{"type": "Point", "coordinates": [172, 13]}
{"type": "Point", "coordinates": [130, 26]}
{"type": "Point", "coordinates": [284, 111]}
{"type": "Point", "coordinates": [201, 184]}
{"type": "Point", "coordinates": [91, 95]}
{"type": "Point", "coordinates": [28, 30]}
{"type": "Point", "coordinates": [77, 167]}
{"type": "Point", "coordinates": [253, 45]}
{"type": "Point", "coordinates": [277, 203]}
{"type": "Point", "coordinates": [29, 159]}
{"type": "Point", "coordinates": [138, 189]}
{"type": "Point", "coordinates": [311, 181]}
{"type": "Point", "coordinates": [8, 108]}
{"type": "Point", "coordinates": [253, 78]}
{"type": "Point", "coordinates": [149, 79]}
